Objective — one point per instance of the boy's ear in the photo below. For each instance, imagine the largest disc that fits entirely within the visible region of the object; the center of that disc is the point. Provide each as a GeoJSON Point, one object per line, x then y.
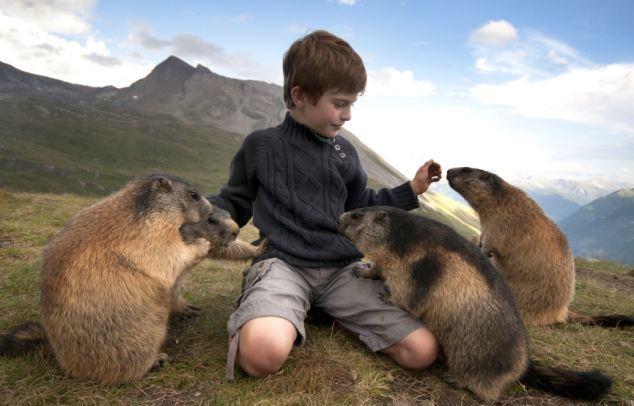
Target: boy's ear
{"type": "Point", "coordinates": [298, 97]}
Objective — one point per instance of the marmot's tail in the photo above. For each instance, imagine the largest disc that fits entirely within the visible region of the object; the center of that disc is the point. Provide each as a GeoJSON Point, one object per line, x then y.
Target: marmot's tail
{"type": "Point", "coordinates": [606, 320]}
{"type": "Point", "coordinates": [584, 385]}
{"type": "Point", "coordinates": [24, 338]}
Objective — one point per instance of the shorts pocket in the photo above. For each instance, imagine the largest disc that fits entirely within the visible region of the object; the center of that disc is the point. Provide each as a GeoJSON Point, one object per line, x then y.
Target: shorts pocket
{"type": "Point", "coordinates": [255, 273]}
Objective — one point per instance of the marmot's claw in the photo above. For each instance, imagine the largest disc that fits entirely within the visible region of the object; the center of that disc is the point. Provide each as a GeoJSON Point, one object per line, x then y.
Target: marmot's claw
{"type": "Point", "coordinates": [362, 270]}
{"type": "Point", "coordinates": [385, 297]}
{"type": "Point", "coordinates": [161, 360]}
{"type": "Point", "coordinates": [189, 312]}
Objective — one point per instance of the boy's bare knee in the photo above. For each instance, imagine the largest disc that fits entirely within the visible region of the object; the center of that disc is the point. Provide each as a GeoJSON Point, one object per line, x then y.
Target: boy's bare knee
{"type": "Point", "coordinates": [418, 350]}
{"type": "Point", "coordinates": [265, 344]}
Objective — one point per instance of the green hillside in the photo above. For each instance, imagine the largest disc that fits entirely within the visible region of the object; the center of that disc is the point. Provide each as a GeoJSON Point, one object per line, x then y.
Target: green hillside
{"type": "Point", "coordinates": [604, 229]}
{"type": "Point", "coordinates": [57, 147]}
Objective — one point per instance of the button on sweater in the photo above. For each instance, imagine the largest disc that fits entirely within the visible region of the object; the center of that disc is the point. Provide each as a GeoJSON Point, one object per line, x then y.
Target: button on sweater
{"type": "Point", "coordinates": [295, 184]}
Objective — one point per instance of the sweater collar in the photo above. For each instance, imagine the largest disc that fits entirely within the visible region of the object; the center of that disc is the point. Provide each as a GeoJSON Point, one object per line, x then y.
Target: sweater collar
{"type": "Point", "coordinates": [292, 126]}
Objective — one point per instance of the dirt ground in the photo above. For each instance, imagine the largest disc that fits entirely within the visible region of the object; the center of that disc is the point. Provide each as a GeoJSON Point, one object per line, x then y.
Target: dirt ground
{"type": "Point", "coordinates": [622, 283]}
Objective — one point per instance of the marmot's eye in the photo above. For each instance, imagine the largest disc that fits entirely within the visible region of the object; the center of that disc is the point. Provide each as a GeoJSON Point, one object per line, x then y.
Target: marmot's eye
{"type": "Point", "coordinates": [212, 221]}
{"type": "Point", "coordinates": [355, 216]}
{"type": "Point", "coordinates": [194, 195]}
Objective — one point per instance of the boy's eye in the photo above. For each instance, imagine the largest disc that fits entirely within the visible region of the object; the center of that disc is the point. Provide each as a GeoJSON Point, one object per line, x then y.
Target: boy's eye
{"type": "Point", "coordinates": [342, 104]}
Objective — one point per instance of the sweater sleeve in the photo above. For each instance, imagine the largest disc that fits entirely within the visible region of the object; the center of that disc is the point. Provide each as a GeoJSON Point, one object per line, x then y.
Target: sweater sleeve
{"type": "Point", "coordinates": [237, 195]}
{"type": "Point", "coordinates": [359, 195]}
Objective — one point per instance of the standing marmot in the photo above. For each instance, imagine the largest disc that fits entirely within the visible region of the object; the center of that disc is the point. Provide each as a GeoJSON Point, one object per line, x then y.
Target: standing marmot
{"type": "Point", "coordinates": [526, 247]}
{"type": "Point", "coordinates": [109, 278]}
{"type": "Point", "coordinates": [437, 275]}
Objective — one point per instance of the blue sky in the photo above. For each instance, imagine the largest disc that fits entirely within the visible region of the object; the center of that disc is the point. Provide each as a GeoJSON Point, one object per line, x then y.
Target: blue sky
{"type": "Point", "coordinates": [540, 88]}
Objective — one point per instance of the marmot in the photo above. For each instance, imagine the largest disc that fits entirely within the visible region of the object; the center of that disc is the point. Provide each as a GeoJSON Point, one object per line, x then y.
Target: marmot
{"type": "Point", "coordinates": [526, 247]}
{"type": "Point", "coordinates": [109, 278]}
{"type": "Point", "coordinates": [438, 276]}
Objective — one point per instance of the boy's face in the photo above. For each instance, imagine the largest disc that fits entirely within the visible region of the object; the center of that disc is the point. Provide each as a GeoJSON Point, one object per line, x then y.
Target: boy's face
{"type": "Point", "coordinates": [328, 115]}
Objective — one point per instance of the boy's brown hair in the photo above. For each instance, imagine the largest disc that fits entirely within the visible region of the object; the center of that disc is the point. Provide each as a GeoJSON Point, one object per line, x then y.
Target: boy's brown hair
{"type": "Point", "coordinates": [321, 61]}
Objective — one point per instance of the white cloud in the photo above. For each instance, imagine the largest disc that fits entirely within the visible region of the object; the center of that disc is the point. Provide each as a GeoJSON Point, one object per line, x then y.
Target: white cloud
{"type": "Point", "coordinates": [599, 95]}
{"type": "Point", "coordinates": [347, 2]}
{"type": "Point", "coordinates": [529, 55]}
{"type": "Point", "coordinates": [392, 82]}
{"type": "Point", "coordinates": [53, 16]}
{"type": "Point", "coordinates": [496, 33]}
{"type": "Point", "coordinates": [406, 135]}
{"type": "Point", "coordinates": [28, 47]}
{"type": "Point", "coordinates": [140, 35]}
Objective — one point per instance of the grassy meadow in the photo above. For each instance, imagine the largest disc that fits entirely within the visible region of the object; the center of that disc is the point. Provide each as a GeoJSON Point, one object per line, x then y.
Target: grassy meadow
{"type": "Point", "coordinates": [333, 367]}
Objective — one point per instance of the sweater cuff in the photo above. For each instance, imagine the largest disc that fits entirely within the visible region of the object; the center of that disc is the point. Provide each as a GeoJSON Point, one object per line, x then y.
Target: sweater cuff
{"type": "Point", "coordinates": [406, 198]}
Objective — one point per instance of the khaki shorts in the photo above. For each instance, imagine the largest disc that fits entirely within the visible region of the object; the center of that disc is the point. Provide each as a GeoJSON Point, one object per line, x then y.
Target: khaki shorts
{"type": "Point", "coordinates": [275, 288]}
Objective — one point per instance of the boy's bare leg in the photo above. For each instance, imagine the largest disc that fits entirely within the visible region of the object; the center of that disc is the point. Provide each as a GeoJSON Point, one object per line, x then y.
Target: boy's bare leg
{"type": "Point", "coordinates": [417, 350]}
{"type": "Point", "coordinates": [265, 343]}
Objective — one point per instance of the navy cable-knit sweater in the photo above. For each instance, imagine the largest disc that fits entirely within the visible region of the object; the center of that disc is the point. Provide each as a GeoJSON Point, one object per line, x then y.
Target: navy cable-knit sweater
{"type": "Point", "coordinates": [295, 184]}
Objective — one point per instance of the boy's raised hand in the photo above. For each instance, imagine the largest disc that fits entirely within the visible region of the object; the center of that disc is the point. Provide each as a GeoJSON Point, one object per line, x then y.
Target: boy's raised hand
{"type": "Point", "coordinates": [425, 175]}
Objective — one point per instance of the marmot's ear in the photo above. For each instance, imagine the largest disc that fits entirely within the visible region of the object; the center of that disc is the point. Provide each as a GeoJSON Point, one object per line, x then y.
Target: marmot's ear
{"type": "Point", "coordinates": [381, 215]}
{"type": "Point", "coordinates": [165, 184]}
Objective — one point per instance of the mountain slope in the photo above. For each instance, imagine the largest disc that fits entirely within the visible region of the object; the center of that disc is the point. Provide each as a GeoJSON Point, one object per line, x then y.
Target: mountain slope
{"type": "Point", "coordinates": [16, 82]}
{"type": "Point", "coordinates": [48, 146]}
{"type": "Point", "coordinates": [555, 206]}
{"type": "Point", "coordinates": [604, 229]}
{"type": "Point", "coordinates": [197, 95]}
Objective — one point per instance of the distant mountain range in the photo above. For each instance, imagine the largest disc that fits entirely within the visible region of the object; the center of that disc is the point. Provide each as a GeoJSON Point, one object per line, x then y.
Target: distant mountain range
{"type": "Point", "coordinates": [560, 198]}
{"type": "Point", "coordinates": [60, 137]}
{"type": "Point", "coordinates": [604, 228]}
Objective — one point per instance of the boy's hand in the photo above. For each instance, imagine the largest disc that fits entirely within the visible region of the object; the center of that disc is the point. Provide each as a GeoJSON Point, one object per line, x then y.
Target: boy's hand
{"type": "Point", "coordinates": [427, 174]}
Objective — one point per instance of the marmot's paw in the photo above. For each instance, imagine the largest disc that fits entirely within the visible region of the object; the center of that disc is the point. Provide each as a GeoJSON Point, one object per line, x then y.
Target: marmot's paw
{"type": "Point", "coordinates": [364, 270]}
{"type": "Point", "coordinates": [161, 359]}
{"type": "Point", "coordinates": [237, 250]}
{"type": "Point", "coordinates": [451, 380]}
{"type": "Point", "coordinates": [188, 312]}
{"type": "Point", "coordinates": [385, 297]}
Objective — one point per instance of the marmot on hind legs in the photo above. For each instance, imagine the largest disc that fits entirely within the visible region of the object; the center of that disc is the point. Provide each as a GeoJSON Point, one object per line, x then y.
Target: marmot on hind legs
{"type": "Point", "coordinates": [526, 247]}
{"type": "Point", "coordinates": [109, 279]}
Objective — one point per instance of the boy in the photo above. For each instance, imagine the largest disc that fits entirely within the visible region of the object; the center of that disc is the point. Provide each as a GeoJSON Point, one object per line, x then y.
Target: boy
{"type": "Point", "coordinates": [295, 180]}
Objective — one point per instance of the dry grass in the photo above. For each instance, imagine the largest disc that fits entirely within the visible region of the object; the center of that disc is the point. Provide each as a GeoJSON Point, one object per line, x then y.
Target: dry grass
{"type": "Point", "coordinates": [333, 367]}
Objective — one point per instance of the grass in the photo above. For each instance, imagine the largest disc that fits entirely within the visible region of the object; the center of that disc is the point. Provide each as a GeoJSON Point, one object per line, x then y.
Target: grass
{"type": "Point", "coordinates": [333, 367]}
{"type": "Point", "coordinates": [605, 266]}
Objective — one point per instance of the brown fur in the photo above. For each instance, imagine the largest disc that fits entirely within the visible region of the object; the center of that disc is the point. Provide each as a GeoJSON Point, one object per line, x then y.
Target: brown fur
{"type": "Point", "coordinates": [110, 277]}
{"type": "Point", "coordinates": [443, 279]}
{"type": "Point", "coordinates": [526, 247]}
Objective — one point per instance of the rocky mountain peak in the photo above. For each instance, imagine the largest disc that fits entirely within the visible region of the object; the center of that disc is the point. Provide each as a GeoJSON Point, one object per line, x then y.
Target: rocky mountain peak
{"type": "Point", "coordinates": [202, 69]}
{"type": "Point", "coordinates": [171, 72]}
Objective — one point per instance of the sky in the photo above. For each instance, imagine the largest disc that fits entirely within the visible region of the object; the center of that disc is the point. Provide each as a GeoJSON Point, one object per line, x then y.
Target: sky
{"type": "Point", "coordinates": [520, 88]}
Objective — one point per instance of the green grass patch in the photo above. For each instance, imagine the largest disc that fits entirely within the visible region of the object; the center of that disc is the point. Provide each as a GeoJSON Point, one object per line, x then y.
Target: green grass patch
{"type": "Point", "coordinates": [332, 368]}
{"type": "Point", "coordinates": [604, 266]}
